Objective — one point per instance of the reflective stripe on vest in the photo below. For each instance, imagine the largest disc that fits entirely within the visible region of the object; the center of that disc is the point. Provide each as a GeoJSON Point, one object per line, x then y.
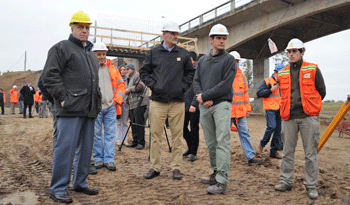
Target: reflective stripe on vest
{"type": "Point", "coordinates": [310, 98]}
{"type": "Point", "coordinates": [273, 102]}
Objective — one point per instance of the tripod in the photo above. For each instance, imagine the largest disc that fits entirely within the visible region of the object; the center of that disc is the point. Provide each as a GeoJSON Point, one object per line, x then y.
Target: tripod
{"type": "Point", "coordinates": [145, 126]}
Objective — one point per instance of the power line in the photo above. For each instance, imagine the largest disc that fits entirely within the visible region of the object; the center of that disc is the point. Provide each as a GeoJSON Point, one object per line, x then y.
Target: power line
{"type": "Point", "coordinates": [17, 61]}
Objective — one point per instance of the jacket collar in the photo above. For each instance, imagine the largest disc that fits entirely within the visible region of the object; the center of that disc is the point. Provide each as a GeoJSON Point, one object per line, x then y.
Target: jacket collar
{"type": "Point", "coordinates": [176, 48]}
{"type": "Point", "coordinates": [80, 43]}
{"type": "Point", "coordinates": [221, 52]}
{"type": "Point", "coordinates": [297, 64]}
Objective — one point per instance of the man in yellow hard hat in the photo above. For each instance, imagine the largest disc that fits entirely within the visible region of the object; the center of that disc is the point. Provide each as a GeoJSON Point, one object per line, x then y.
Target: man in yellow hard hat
{"type": "Point", "coordinates": [71, 77]}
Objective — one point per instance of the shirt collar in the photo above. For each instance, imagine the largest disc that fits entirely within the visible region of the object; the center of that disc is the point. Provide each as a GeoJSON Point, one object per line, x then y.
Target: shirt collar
{"type": "Point", "coordinates": [167, 47]}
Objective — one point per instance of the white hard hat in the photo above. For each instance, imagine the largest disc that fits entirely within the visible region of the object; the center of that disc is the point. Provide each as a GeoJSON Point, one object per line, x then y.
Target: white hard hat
{"type": "Point", "coordinates": [170, 26]}
{"type": "Point", "coordinates": [295, 44]}
{"type": "Point", "coordinates": [15, 86]}
{"type": "Point", "coordinates": [99, 46]}
{"type": "Point", "coordinates": [236, 55]}
{"type": "Point", "coordinates": [219, 30]}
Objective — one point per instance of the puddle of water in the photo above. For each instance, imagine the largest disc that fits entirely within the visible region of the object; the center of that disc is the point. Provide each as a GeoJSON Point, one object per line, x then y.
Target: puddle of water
{"type": "Point", "coordinates": [25, 198]}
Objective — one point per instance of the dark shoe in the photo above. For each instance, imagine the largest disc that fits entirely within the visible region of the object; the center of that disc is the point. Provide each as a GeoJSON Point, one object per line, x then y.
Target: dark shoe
{"type": "Point", "coordinates": [259, 149]}
{"type": "Point", "coordinates": [254, 160]}
{"type": "Point", "coordinates": [87, 190]}
{"type": "Point", "coordinates": [192, 158]}
{"type": "Point", "coordinates": [283, 187]}
{"type": "Point", "coordinates": [217, 189]}
{"type": "Point", "coordinates": [99, 164]}
{"type": "Point", "coordinates": [110, 166]}
{"type": "Point", "coordinates": [24, 117]}
{"type": "Point", "coordinates": [31, 117]}
{"type": "Point", "coordinates": [131, 145]}
{"type": "Point", "coordinates": [140, 147]}
{"type": "Point", "coordinates": [177, 174]}
{"type": "Point", "coordinates": [275, 155]}
{"type": "Point", "coordinates": [151, 174]}
{"type": "Point", "coordinates": [210, 180]}
{"type": "Point", "coordinates": [93, 170]}
{"type": "Point", "coordinates": [280, 148]}
{"type": "Point", "coordinates": [61, 198]}
{"type": "Point", "coordinates": [186, 153]}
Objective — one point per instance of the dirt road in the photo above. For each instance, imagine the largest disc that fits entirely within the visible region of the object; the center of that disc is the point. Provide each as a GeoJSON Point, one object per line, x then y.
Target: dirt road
{"type": "Point", "coordinates": [26, 161]}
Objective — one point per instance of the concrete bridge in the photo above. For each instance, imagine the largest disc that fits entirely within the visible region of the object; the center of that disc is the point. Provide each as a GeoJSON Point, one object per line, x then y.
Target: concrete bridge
{"type": "Point", "coordinates": [252, 24]}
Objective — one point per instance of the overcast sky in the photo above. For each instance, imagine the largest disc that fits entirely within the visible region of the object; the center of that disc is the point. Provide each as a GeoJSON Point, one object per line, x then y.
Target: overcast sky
{"type": "Point", "coordinates": [35, 26]}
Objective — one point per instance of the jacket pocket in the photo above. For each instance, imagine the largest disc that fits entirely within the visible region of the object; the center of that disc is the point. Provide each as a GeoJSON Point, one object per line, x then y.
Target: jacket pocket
{"type": "Point", "coordinates": [76, 100]}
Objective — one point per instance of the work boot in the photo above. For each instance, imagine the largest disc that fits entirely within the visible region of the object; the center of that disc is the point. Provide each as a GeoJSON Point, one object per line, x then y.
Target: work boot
{"type": "Point", "coordinates": [312, 193]}
{"type": "Point", "coordinates": [275, 155]}
{"type": "Point", "coordinates": [192, 158]}
{"type": "Point", "coordinates": [92, 170]}
{"type": "Point", "coordinates": [254, 160]}
{"type": "Point", "coordinates": [259, 149]}
{"type": "Point", "coordinates": [98, 165]}
{"type": "Point", "coordinates": [283, 187]}
{"type": "Point", "coordinates": [217, 189]}
{"type": "Point", "coordinates": [186, 153]}
{"type": "Point", "coordinates": [177, 174]}
{"type": "Point", "coordinates": [140, 147]}
{"type": "Point", "coordinates": [110, 166]}
{"type": "Point", "coordinates": [210, 180]}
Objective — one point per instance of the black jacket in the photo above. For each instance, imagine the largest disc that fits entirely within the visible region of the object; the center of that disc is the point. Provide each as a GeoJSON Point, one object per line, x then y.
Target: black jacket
{"type": "Point", "coordinates": [28, 95]}
{"type": "Point", "coordinates": [167, 74]}
{"type": "Point", "coordinates": [71, 75]}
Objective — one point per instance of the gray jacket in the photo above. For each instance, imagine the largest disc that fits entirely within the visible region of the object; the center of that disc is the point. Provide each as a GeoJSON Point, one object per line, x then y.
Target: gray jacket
{"type": "Point", "coordinates": [214, 77]}
{"type": "Point", "coordinates": [71, 75]}
{"type": "Point", "coordinates": [136, 87]}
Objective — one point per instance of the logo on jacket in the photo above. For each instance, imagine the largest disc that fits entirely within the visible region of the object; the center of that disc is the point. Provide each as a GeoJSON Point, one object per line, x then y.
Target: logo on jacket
{"type": "Point", "coordinates": [307, 75]}
{"type": "Point", "coordinates": [178, 58]}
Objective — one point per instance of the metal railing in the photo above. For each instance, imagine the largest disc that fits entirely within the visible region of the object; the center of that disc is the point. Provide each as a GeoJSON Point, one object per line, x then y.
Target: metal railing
{"type": "Point", "coordinates": [136, 40]}
{"type": "Point", "coordinates": [218, 11]}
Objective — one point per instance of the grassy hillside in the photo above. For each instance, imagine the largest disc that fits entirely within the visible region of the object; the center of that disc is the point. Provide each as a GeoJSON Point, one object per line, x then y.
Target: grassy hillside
{"type": "Point", "coordinates": [20, 78]}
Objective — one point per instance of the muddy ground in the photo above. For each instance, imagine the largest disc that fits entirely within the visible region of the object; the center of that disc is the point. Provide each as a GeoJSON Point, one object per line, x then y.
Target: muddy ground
{"type": "Point", "coordinates": [26, 162]}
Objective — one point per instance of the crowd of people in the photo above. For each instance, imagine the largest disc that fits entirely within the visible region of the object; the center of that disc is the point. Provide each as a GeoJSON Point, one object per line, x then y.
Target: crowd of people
{"type": "Point", "coordinates": [26, 98]}
{"type": "Point", "coordinates": [88, 94]}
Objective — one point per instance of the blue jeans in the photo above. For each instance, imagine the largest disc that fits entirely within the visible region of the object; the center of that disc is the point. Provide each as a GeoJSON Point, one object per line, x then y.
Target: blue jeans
{"type": "Point", "coordinates": [274, 124]}
{"type": "Point", "coordinates": [75, 137]}
{"type": "Point", "coordinates": [244, 137]}
{"type": "Point", "coordinates": [104, 151]}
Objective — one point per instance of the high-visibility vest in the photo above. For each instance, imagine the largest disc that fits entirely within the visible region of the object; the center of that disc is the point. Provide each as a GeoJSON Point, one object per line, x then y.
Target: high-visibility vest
{"type": "Point", "coordinates": [310, 98]}
{"type": "Point", "coordinates": [240, 101]}
{"type": "Point", "coordinates": [38, 98]}
{"type": "Point", "coordinates": [118, 86]}
{"type": "Point", "coordinates": [273, 102]}
{"type": "Point", "coordinates": [14, 95]}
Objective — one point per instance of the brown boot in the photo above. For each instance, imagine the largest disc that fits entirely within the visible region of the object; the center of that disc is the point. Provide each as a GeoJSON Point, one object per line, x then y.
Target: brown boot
{"type": "Point", "coordinates": [275, 155]}
{"type": "Point", "coordinates": [259, 149]}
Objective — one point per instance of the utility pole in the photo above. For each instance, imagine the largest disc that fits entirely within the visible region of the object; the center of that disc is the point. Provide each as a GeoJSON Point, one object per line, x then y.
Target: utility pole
{"type": "Point", "coordinates": [25, 60]}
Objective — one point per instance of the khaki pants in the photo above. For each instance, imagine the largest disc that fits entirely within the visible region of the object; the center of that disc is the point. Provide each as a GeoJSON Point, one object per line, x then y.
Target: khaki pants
{"type": "Point", "coordinates": [309, 128]}
{"type": "Point", "coordinates": [12, 108]}
{"type": "Point", "coordinates": [159, 111]}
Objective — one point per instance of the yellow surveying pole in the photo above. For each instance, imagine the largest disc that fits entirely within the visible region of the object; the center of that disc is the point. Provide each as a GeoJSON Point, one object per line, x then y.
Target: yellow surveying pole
{"type": "Point", "coordinates": [335, 122]}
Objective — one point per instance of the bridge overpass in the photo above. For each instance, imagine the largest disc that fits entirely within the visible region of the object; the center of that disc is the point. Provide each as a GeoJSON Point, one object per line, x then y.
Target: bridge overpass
{"type": "Point", "coordinates": [250, 26]}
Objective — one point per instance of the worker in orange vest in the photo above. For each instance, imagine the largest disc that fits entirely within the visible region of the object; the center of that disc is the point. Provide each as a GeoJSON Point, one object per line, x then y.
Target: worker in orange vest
{"type": "Point", "coordinates": [37, 99]}
{"type": "Point", "coordinates": [2, 101]}
{"type": "Point", "coordinates": [302, 90]}
{"type": "Point", "coordinates": [270, 93]}
{"type": "Point", "coordinates": [112, 89]}
{"type": "Point", "coordinates": [240, 111]}
{"type": "Point", "coordinates": [13, 98]}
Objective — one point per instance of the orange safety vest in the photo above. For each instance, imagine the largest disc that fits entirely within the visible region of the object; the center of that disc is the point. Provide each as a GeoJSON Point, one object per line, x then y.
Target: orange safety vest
{"type": "Point", "coordinates": [118, 86]}
{"type": "Point", "coordinates": [14, 95]}
{"type": "Point", "coordinates": [273, 102]}
{"type": "Point", "coordinates": [38, 98]}
{"type": "Point", "coordinates": [240, 101]}
{"type": "Point", "coordinates": [310, 98]}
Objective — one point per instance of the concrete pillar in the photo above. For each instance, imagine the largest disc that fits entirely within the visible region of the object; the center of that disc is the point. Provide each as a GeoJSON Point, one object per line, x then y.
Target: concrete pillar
{"type": "Point", "coordinates": [233, 7]}
{"type": "Point", "coordinates": [260, 72]}
{"type": "Point", "coordinates": [138, 64]}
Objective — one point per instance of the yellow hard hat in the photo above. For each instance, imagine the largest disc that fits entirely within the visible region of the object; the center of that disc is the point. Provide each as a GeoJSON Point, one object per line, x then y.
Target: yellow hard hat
{"type": "Point", "coordinates": [80, 17]}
